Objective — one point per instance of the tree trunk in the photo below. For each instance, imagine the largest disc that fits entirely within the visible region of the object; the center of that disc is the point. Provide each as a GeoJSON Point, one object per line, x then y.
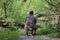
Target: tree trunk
{"type": "Point", "coordinates": [5, 8]}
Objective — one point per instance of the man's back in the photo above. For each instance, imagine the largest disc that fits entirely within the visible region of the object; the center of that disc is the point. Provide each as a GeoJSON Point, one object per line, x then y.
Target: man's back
{"type": "Point", "coordinates": [33, 19]}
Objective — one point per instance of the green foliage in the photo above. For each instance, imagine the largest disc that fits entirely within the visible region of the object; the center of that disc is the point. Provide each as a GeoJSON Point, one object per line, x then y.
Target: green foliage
{"type": "Point", "coordinates": [54, 34]}
{"type": "Point", "coordinates": [18, 10]}
{"type": "Point", "coordinates": [45, 30]}
{"type": "Point", "coordinates": [22, 32]}
{"type": "Point", "coordinates": [9, 35]}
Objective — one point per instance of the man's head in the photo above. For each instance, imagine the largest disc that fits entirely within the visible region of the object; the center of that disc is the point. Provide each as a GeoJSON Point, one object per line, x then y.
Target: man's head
{"type": "Point", "coordinates": [31, 13]}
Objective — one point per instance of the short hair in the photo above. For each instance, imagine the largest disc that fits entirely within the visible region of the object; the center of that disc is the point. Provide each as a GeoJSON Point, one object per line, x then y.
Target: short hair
{"type": "Point", "coordinates": [31, 12]}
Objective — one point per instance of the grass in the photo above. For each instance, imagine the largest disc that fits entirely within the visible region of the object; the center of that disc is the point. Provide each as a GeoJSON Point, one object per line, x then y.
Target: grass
{"type": "Point", "coordinates": [12, 35]}
{"type": "Point", "coordinates": [22, 32]}
{"type": "Point", "coordinates": [53, 35]}
{"type": "Point", "coordinates": [9, 35]}
{"type": "Point", "coordinates": [47, 31]}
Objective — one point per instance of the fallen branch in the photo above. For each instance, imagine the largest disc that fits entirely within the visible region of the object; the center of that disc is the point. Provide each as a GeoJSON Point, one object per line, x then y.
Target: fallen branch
{"type": "Point", "coordinates": [56, 29]}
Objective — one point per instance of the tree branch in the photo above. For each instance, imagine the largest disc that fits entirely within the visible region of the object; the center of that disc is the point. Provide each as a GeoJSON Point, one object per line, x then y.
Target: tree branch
{"type": "Point", "coordinates": [55, 6]}
{"type": "Point", "coordinates": [5, 8]}
{"type": "Point", "coordinates": [51, 4]}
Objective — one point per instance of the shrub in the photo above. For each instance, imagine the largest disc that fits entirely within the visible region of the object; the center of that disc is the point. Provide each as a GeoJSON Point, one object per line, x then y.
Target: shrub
{"type": "Point", "coordinates": [22, 32]}
{"type": "Point", "coordinates": [53, 34]}
{"type": "Point", "coordinates": [9, 35]}
{"type": "Point", "coordinates": [45, 30]}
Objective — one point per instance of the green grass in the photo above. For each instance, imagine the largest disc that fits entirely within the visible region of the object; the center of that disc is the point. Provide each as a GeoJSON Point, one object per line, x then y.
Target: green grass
{"type": "Point", "coordinates": [43, 31]}
{"type": "Point", "coordinates": [47, 31]}
{"type": "Point", "coordinates": [12, 35]}
{"type": "Point", "coordinates": [53, 35]}
{"type": "Point", "coordinates": [22, 32]}
{"type": "Point", "coordinates": [9, 35]}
